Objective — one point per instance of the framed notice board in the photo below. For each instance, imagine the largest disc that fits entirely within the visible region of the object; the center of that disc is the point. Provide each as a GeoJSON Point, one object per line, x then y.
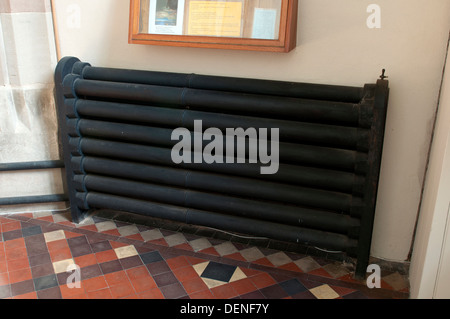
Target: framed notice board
{"type": "Point", "coordinates": [260, 25]}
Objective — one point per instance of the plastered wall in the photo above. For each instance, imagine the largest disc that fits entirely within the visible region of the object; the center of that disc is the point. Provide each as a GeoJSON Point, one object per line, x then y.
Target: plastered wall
{"type": "Point", "coordinates": [27, 111]}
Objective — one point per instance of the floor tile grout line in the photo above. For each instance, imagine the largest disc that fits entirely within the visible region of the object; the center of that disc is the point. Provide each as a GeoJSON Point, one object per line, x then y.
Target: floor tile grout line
{"type": "Point", "coordinates": [267, 269]}
{"type": "Point", "coordinates": [140, 243]}
{"type": "Point", "coordinates": [181, 251]}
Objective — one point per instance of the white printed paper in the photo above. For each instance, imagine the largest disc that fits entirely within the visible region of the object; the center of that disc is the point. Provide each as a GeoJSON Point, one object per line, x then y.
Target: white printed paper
{"type": "Point", "coordinates": [264, 22]}
{"type": "Point", "coordinates": [166, 17]}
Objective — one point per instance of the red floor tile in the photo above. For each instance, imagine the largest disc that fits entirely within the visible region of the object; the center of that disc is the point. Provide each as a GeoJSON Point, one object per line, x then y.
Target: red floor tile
{"type": "Point", "coordinates": [121, 290]}
{"type": "Point", "coordinates": [57, 244]}
{"type": "Point", "coordinates": [154, 293]}
{"type": "Point", "coordinates": [262, 280]}
{"type": "Point", "coordinates": [19, 263]}
{"type": "Point", "coordinates": [115, 278]}
{"type": "Point", "coordinates": [16, 253]}
{"type": "Point", "coordinates": [4, 279]}
{"type": "Point", "coordinates": [74, 292]}
{"type": "Point", "coordinates": [29, 295]}
{"type": "Point", "coordinates": [194, 260]}
{"type": "Point", "coordinates": [20, 275]}
{"type": "Point", "coordinates": [70, 234]}
{"type": "Point", "coordinates": [185, 273]}
{"type": "Point", "coordinates": [137, 272]}
{"type": "Point", "coordinates": [320, 272]}
{"type": "Point", "coordinates": [194, 285]}
{"type": "Point", "coordinates": [184, 246]}
{"type": "Point", "coordinates": [116, 244]}
{"type": "Point", "coordinates": [3, 266]}
{"type": "Point", "coordinates": [10, 226]}
{"type": "Point", "coordinates": [94, 284]}
{"type": "Point", "coordinates": [243, 286]}
{"type": "Point", "coordinates": [224, 292]}
{"type": "Point", "coordinates": [204, 294]}
{"type": "Point", "coordinates": [143, 284]}
{"type": "Point", "coordinates": [14, 243]}
{"type": "Point", "coordinates": [60, 254]}
{"type": "Point", "coordinates": [100, 294]}
{"type": "Point", "coordinates": [85, 260]}
{"type": "Point", "coordinates": [291, 266]}
{"type": "Point", "coordinates": [177, 262]}
{"type": "Point", "coordinates": [236, 256]}
{"type": "Point", "coordinates": [135, 237]}
{"type": "Point", "coordinates": [105, 256]}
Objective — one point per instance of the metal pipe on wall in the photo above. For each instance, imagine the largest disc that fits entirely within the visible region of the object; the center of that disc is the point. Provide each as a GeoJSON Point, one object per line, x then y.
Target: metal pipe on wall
{"type": "Point", "coordinates": [33, 199]}
{"type": "Point", "coordinates": [19, 166]}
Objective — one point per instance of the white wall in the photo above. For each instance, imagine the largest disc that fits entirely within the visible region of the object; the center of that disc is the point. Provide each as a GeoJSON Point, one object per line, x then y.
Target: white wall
{"type": "Point", "coordinates": [27, 109]}
{"type": "Point", "coordinates": [335, 46]}
{"type": "Point", "coordinates": [433, 220]}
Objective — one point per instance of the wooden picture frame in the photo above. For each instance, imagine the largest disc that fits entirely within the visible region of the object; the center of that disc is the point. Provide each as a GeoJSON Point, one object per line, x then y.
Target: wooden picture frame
{"type": "Point", "coordinates": [257, 25]}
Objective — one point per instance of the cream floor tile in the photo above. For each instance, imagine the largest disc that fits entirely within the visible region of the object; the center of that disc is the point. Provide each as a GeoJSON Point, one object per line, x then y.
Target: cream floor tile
{"type": "Point", "coordinates": [54, 235]}
{"type": "Point", "coordinates": [61, 266]}
{"type": "Point", "coordinates": [175, 239]}
{"type": "Point", "coordinates": [128, 230]}
{"type": "Point", "coordinates": [307, 264]}
{"type": "Point", "coordinates": [200, 244]}
{"type": "Point", "coordinates": [238, 275]}
{"type": "Point", "coordinates": [324, 292]}
{"type": "Point", "coordinates": [126, 251]}
{"type": "Point", "coordinates": [225, 248]}
{"type": "Point", "coordinates": [151, 234]}
{"type": "Point", "coordinates": [252, 254]}
{"type": "Point", "coordinates": [106, 225]}
{"type": "Point", "coordinates": [279, 259]}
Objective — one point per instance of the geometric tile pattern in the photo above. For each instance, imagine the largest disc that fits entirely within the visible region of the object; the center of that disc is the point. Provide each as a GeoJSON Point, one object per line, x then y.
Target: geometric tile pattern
{"type": "Point", "coordinates": [41, 255]}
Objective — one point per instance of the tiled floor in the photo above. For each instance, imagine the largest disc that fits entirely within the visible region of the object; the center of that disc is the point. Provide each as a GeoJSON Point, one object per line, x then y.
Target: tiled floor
{"type": "Point", "coordinates": [119, 257]}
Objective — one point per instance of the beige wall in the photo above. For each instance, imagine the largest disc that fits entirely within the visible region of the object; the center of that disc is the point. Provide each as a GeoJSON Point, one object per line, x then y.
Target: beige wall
{"type": "Point", "coordinates": [335, 46]}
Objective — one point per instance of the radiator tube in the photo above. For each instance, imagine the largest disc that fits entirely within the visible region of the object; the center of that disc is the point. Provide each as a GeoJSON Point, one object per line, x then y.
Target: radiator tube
{"type": "Point", "coordinates": [246, 104]}
{"type": "Point", "coordinates": [318, 177]}
{"type": "Point", "coordinates": [286, 214]}
{"type": "Point", "coordinates": [220, 83]}
{"type": "Point", "coordinates": [231, 185]}
{"type": "Point", "coordinates": [231, 223]}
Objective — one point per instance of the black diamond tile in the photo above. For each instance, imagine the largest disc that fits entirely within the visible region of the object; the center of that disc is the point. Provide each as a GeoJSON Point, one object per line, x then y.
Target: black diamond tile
{"type": "Point", "coordinates": [151, 257]}
{"type": "Point", "coordinates": [292, 286]}
{"type": "Point", "coordinates": [218, 271]}
{"type": "Point", "coordinates": [30, 231]}
{"type": "Point", "coordinates": [45, 282]}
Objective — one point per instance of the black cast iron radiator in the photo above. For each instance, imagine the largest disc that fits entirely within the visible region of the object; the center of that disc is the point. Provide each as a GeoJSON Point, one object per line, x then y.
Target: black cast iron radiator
{"type": "Point", "coordinates": [116, 130]}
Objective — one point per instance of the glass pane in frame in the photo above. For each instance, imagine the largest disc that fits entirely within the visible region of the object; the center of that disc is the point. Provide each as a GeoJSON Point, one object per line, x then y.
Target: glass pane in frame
{"type": "Point", "coordinates": [249, 19]}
